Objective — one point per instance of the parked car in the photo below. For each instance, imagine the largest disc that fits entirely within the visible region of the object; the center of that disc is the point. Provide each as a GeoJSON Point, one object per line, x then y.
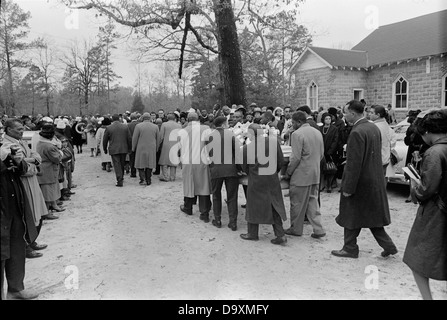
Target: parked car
{"type": "Point", "coordinates": [401, 148]}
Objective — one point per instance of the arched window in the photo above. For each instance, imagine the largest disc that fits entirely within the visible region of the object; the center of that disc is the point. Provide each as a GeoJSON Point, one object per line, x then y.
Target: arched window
{"type": "Point", "coordinates": [312, 96]}
{"type": "Point", "coordinates": [400, 93]}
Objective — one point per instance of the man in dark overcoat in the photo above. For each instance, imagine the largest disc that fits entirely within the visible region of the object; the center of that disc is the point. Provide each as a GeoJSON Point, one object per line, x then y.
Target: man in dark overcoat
{"type": "Point", "coordinates": [118, 143]}
{"type": "Point", "coordinates": [265, 203]}
{"type": "Point", "coordinates": [363, 197]}
{"type": "Point", "coordinates": [224, 149]}
{"type": "Point", "coordinates": [145, 145]}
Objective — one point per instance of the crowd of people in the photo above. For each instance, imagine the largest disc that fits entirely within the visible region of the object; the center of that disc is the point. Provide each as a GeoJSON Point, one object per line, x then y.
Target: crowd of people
{"type": "Point", "coordinates": [349, 148]}
{"type": "Point", "coordinates": [36, 180]}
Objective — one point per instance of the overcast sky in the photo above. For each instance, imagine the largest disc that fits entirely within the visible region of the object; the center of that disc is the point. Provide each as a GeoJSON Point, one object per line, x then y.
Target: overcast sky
{"type": "Point", "coordinates": [333, 23]}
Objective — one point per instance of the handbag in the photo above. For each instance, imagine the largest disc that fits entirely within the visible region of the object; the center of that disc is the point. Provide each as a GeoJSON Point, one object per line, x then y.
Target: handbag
{"type": "Point", "coordinates": [330, 168]}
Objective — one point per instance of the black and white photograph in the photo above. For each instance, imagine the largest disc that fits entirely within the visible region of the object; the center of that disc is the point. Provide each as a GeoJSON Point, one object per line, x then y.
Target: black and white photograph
{"type": "Point", "coordinates": [223, 155]}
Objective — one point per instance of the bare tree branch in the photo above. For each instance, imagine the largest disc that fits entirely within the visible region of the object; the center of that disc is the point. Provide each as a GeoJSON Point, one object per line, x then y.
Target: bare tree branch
{"type": "Point", "coordinates": [173, 21]}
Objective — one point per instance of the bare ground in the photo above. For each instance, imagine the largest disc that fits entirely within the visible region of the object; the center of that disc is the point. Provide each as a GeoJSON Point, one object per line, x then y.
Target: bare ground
{"type": "Point", "coordinates": [135, 243]}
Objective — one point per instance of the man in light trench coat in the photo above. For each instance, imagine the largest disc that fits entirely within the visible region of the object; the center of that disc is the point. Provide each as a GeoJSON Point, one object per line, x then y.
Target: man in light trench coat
{"type": "Point", "coordinates": [195, 169]}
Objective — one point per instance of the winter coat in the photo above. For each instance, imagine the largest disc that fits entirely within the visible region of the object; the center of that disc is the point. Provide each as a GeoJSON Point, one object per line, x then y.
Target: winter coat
{"type": "Point", "coordinates": [14, 202]}
{"type": "Point", "coordinates": [263, 190]}
{"type": "Point", "coordinates": [117, 139]}
{"type": "Point", "coordinates": [225, 153]}
{"type": "Point", "coordinates": [29, 179]}
{"type": "Point", "coordinates": [166, 142]}
{"type": "Point", "coordinates": [363, 178]}
{"type": "Point", "coordinates": [307, 152]}
{"type": "Point", "coordinates": [51, 157]}
{"type": "Point", "coordinates": [144, 144]}
{"type": "Point", "coordinates": [99, 139]}
{"type": "Point", "coordinates": [193, 156]}
{"type": "Point", "coordinates": [330, 140]}
{"type": "Point", "coordinates": [426, 250]}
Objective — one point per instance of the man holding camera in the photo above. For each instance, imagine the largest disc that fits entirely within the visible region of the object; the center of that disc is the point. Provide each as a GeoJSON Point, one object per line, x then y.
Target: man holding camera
{"type": "Point", "coordinates": [16, 223]}
{"type": "Point", "coordinates": [13, 137]}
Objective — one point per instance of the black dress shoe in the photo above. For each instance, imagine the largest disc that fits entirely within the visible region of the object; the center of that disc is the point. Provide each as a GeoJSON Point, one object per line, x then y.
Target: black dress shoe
{"type": "Point", "coordinates": [247, 236]}
{"type": "Point", "coordinates": [36, 246]}
{"type": "Point", "coordinates": [119, 184]}
{"type": "Point", "coordinates": [204, 218]}
{"type": "Point", "coordinates": [386, 253]}
{"type": "Point", "coordinates": [344, 254]}
{"type": "Point", "coordinates": [187, 211]}
{"type": "Point", "coordinates": [317, 236]}
{"type": "Point", "coordinates": [217, 223]}
{"type": "Point", "coordinates": [232, 226]}
{"type": "Point", "coordinates": [279, 240]}
{"type": "Point", "coordinates": [33, 254]}
{"type": "Point", "coordinates": [22, 295]}
{"type": "Point", "coordinates": [291, 233]}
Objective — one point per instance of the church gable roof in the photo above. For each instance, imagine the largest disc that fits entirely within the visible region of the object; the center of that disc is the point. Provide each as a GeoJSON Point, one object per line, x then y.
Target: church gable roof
{"type": "Point", "coordinates": [410, 39]}
{"type": "Point", "coordinates": [418, 37]}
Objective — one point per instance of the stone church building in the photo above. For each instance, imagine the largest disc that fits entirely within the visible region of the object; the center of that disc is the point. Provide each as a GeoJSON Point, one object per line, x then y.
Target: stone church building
{"type": "Point", "coordinates": [403, 64]}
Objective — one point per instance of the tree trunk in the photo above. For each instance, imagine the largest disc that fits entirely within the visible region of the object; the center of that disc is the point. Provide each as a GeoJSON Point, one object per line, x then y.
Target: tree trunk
{"type": "Point", "coordinates": [86, 99]}
{"type": "Point", "coordinates": [10, 100]}
{"type": "Point", "coordinates": [107, 74]}
{"type": "Point", "coordinates": [230, 62]}
{"type": "Point", "coordinates": [48, 104]}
